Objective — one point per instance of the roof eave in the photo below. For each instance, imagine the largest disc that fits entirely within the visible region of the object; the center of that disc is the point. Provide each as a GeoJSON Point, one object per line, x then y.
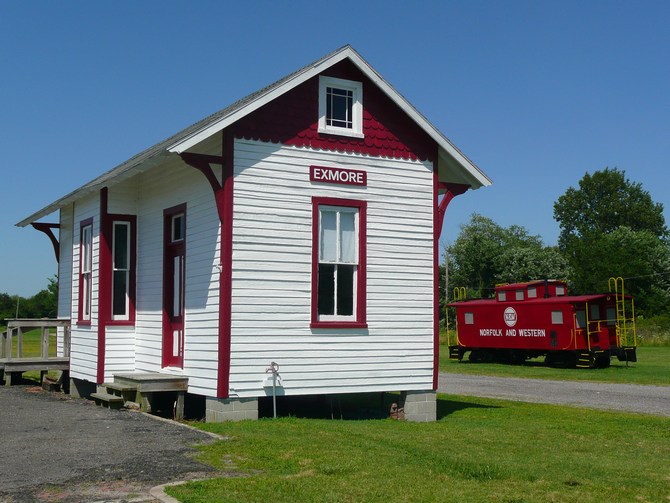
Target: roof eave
{"type": "Point", "coordinates": [114, 176]}
{"type": "Point", "coordinates": [221, 123]}
{"type": "Point", "coordinates": [456, 166]}
{"type": "Point", "coordinates": [473, 176]}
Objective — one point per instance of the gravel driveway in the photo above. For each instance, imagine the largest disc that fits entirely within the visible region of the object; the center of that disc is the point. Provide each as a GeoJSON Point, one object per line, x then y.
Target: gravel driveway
{"type": "Point", "coordinates": [56, 448]}
{"type": "Point", "coordinates": [624, 397]}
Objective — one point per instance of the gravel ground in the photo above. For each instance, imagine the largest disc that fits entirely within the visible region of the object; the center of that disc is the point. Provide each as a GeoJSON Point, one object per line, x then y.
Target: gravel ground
{"type": "Point", "coordinates": [623, 397]}
{"type": "Point", "coordinates": [60, 449]}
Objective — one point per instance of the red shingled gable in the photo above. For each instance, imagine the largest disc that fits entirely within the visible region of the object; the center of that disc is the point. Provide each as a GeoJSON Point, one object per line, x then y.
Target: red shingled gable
{"type": "Point", "coordinates": [292, 119]}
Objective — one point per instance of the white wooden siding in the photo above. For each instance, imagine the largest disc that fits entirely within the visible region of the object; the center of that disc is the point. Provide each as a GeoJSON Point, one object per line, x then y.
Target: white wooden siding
{"type": "Point", "coordinates": [272, 251]}
{"type": "Point", "coordinates": [119, 350]}
{"type": "Point", "coordinates": [272, 256]}
{"type": "Point", "coordinates": [172, 184]}
{"type": "Point", "coordinates": [84, 342]}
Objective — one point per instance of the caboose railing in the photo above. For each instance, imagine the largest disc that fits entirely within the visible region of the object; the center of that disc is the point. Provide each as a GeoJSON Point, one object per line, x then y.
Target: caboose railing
{"type": "Point", "coordinates": [626, 330]}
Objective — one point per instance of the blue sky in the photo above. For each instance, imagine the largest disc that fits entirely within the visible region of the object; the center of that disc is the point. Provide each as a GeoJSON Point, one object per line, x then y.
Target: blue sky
{"type": "Point", "coordinates": [535, 93]}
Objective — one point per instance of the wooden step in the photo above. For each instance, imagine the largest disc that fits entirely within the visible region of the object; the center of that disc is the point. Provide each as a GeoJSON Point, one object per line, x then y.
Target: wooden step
{"type": "Point", "coordinates": [127, 391]}
{"type": "Point", "coordinates": [107, 400]}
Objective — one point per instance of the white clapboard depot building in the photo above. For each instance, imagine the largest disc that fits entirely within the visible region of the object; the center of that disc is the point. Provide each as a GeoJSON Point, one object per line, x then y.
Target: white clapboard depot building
{"type": "Point", "coordinates": [298, 226]}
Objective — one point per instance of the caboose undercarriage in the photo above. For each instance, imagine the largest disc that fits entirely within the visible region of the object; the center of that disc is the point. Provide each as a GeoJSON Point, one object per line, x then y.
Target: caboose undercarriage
{"type": "Point", "coordinates": [593, 358]}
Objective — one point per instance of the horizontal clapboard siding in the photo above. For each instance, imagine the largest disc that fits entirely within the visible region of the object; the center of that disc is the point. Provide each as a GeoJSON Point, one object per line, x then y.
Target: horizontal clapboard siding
{"type": "Point", "coordinates": [176, 183]}
{"type": "Point", "coordinates": [272, 251]}
{"type": "Point", "coordinates": [84, 339]}
{"type": "Point", "coordinates": [119, 351]}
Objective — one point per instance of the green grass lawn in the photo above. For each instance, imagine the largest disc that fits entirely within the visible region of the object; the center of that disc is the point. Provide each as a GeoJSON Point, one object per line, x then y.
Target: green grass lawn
{"type": "Point", "coordinates": [479, 450]}
{"type": "Point", "coordinates": [652, 367]}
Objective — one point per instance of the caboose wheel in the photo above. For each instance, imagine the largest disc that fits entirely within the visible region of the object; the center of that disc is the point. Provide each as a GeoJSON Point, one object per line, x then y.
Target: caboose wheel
{"type": "Point", "coordinates": [475, 356]}
{"type": "Point", "coordinates": [602, 362]}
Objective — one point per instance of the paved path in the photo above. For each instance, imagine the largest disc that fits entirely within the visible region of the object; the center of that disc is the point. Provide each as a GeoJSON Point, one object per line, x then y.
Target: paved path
{"type": "Point", "coordinates": [625, 397]}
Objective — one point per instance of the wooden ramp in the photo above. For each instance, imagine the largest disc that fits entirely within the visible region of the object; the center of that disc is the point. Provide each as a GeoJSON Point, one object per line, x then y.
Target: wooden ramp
{"type": "Point", "coordinates": [13, 368]}
{"type": "Point", "coordinates": [149, 390]}
{"type": "Point", "coordinates": [13, 361]}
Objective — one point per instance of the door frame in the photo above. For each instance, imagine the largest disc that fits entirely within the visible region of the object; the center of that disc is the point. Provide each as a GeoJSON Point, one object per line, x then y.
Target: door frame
{"type": "Point", "coordinates": [173, 248]}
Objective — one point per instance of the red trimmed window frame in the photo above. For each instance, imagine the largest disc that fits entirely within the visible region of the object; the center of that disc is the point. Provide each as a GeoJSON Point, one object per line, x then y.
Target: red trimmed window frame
{"type": "Point", "coordinates": [83, 297]}
{"type": "Point", "coordinates": [360, 309]}
{"type": "Point", "coordinates": [132, 272]}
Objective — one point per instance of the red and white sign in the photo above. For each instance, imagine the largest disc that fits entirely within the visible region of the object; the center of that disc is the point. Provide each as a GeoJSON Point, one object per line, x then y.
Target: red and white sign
{"type": "Point", "coordinates": [337, 175]}
{"type": "Point", "coordinates": [510, 316]}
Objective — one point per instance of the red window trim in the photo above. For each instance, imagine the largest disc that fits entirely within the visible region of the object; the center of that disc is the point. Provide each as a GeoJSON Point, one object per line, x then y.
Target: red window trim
{"type": "Point", "coordinates": [361, 287]}
{"type": "Point", "coordinates": [132, 276]}
{"type": "Point", "coordinates": [80, 309]}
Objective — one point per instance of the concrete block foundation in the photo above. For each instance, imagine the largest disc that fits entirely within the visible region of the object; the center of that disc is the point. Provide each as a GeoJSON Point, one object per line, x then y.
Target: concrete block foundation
{"type": "Point", "coordinates": [82, 389]}
{"type": "Point", "coordinates": [419, 406]}
{"type": "Point", "coordinates": [218, 410]}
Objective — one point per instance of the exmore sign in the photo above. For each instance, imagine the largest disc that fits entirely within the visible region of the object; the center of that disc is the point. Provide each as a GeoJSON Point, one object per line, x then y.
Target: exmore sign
{"type": "Point", "coordinates": [337, 175]}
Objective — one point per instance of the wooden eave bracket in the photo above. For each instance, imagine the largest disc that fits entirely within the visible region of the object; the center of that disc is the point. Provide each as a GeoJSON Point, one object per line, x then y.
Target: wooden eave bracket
{"type": "Point", "coordinates": [203, 162]}
{"type": "Point", "coordinates": [452, 190]}
{"type": "Point", "coordinates": [47, 228]}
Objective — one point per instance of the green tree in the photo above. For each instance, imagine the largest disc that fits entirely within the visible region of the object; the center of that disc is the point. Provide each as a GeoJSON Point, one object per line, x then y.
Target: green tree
{"type": "Point", "coordinates": [485, 254]}
{"type": "Point", "coordinates": [44, 304]}
{"type": "Point", "coordinates": [473, 257]}
{"type": "Point", "coordinates": [610, 226]}
{"type": "Point", "coordinates": [605, 201]}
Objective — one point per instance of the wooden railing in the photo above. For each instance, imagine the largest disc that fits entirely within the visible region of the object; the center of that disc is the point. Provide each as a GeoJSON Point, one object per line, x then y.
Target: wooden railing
{"type": "Point", "coordinates": [15, 329]}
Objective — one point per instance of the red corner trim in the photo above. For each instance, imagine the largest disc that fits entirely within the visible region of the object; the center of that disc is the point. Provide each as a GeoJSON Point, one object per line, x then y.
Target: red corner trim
{"type": "Point", "coordinates": [224, 203]}
{"type": "Point", "coordinates": [104, 281]}
{"type": "Point", "coordinates": [47, 229]}
{"type": "Point", "coordinates": [437, 229]}
{"type": "Point", "coordinates": [223, 195]}
{"type": "Point", "coordinates": [452, 190]}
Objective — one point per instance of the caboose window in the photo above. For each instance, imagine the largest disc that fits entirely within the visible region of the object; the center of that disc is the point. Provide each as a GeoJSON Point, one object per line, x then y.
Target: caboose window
{"type": "Point", "coordinates": [580, 317]}
{"type": "Point", "coordinates": [560, 290]}
{"type": "Point", "coordinates": [557, 317]}
{"type": "Point", "coordinates": [519, 295]}
{"type": "Point", "coordinates": [469, 318]}
{"type": "Point", "coordinates": [532, 292]}
{"type": "Point", "coordinates": [595, 312]}
{"type": "Point", "coordinates": [611, 316]}
{"type": "Point", "coordinates": [502, 297]}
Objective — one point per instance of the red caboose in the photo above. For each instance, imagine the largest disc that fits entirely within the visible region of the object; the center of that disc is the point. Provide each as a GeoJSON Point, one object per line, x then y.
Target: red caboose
{"type": "Point", "coordinates": [539, 318]}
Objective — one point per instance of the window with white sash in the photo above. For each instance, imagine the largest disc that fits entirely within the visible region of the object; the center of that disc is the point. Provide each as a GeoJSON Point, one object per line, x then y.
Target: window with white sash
{"type": "Point", "coordinates": [85, 271]}
{"type": "Point", "coordinates": [339, 262]}
{"type": "Point", "coordinates": [340, 107]}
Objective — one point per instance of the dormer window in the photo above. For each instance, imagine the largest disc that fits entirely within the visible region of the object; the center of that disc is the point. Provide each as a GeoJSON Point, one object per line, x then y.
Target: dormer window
{"type": "Point", "coordinates": [340, 107]}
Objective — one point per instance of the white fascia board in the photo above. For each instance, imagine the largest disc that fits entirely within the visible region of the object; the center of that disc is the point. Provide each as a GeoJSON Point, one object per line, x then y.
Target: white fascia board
{"type": "Point", "coordinates": [477, 175]}
{"type": "Point", "coordinates": [478, 178]}
{"type": "Point", "coordinates": [222, 123]}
